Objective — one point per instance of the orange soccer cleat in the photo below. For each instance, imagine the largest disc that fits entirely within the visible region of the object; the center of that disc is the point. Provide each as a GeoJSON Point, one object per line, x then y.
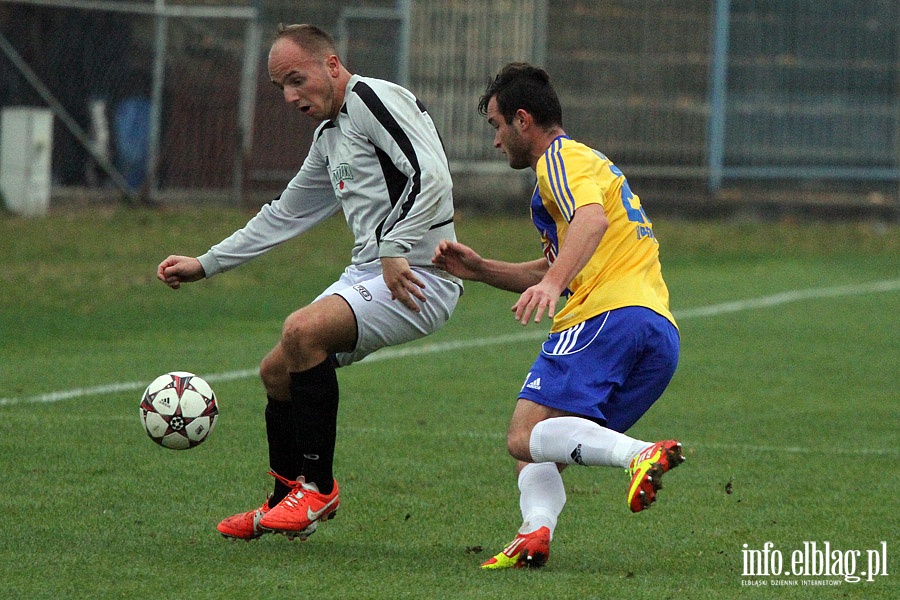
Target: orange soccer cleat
{"type": "Point", "coordinates": [300, 512]}
{"type": "Point", "coordinates": [244, 526]}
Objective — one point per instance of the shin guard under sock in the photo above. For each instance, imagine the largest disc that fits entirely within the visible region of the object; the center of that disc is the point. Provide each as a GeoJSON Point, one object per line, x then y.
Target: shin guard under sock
{"type": "Point", "coordinates": [285, 455]}
{"type": "Point", "coordinates": [574, 440]}
{"type": "Point", "coordinates": [314, 394]}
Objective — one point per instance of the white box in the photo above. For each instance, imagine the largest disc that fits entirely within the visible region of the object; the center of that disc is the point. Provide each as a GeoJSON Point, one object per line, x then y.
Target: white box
{"type": "Point", "coordinates": [26, 146]}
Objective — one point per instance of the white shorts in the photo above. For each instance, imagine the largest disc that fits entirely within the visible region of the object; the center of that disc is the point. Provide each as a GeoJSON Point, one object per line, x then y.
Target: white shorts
{"type": "Point", "coordinates": [382, 322]}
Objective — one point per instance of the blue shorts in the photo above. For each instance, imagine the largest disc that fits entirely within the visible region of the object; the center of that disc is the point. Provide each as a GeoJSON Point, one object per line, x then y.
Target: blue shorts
{"type": "Point", "coordinates": [610, 368]}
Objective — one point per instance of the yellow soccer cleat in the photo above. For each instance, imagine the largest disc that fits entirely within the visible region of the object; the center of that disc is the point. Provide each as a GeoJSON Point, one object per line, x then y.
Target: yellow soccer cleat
{"type": "Point", "coordinates": [530, 550]}
{"type": "Point", "coordinates": [646, 471]}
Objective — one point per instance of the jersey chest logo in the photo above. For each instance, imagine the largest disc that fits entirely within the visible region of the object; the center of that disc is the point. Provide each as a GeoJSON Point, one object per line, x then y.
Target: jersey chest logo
{"type": "Point", "coordinates": [340, 174]}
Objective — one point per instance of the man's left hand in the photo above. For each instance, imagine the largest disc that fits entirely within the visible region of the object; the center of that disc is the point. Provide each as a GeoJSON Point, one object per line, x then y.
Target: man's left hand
{"type": "Point", "coordinates": [402, 282]}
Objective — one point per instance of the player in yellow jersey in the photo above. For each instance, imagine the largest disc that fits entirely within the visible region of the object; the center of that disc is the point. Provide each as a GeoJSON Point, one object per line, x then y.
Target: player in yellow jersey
{"type": "Point", "coordinates": [613, 346]}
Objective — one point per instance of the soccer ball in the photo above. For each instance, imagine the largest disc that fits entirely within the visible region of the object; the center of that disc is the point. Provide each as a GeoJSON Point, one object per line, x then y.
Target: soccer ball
{"type": "Point", "coordinates": [179, 410]}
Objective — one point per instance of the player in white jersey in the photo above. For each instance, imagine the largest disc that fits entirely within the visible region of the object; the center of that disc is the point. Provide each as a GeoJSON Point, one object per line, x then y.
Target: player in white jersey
{"type": "Point", "coordinates": [377, 156]}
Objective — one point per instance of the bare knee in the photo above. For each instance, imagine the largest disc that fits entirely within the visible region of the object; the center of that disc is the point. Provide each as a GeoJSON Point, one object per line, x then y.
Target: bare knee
{"type": "Point", "coordinates": [302, 344]}
{"type": "Point", "coordinates": [295, 336]}
{"type": "Point", "coordinates": [312, 333]}
{"type": "Point", "coordinates": [525, 417]}
{"type": "Point", "coordinates": [274, 374]}
{"type": "Point", "coordinates": [518, 443]}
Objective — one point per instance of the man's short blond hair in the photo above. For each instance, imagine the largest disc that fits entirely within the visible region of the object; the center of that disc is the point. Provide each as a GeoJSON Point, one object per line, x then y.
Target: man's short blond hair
{"type": "Point", "coordinates": [310, 38]}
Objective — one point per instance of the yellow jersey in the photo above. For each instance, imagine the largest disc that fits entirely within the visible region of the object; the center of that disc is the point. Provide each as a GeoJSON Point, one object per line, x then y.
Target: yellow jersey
{"type": "Point", "coordinates": [624, 269]}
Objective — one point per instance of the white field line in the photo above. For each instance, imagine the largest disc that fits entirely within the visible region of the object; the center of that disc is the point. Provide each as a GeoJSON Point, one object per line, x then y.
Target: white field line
{"type": "Point", "coordinates": [817, 451]}
{"type": "Point", "coordinates": [890, 285]}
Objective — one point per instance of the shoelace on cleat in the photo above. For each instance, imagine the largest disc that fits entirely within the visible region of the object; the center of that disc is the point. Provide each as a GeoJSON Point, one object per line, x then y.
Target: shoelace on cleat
{"type": "Point", "coordinates": [288, 482]}
{"type": "Point", "coordinates": [293, 499]}
{"type": "Point", "coordinates": [298, 491]}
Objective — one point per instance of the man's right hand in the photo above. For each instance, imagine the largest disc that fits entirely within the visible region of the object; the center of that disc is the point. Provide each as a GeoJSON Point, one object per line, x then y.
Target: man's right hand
{"type": "Point", "coordinates": [176, 270]}
{"type": "Point", "coordinates": [458, 259]}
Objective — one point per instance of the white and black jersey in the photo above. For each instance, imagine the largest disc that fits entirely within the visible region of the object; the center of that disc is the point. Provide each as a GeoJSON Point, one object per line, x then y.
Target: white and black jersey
{"type": "Point", "coordinates": [381, 161]}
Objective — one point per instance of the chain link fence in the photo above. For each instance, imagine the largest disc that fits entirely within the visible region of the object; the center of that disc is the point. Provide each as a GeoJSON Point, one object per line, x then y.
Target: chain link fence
{"type": "Point", "coordinates": [701, 98]}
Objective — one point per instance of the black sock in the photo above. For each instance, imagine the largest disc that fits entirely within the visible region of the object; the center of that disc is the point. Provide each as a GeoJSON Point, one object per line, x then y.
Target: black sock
{"type": "Point", "coordinates": [314, 394]}
{"type": "Point", "coordinates": [285, 454]}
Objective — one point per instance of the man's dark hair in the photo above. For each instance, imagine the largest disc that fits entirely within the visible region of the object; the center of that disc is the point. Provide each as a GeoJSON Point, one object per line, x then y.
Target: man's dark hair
{"type": "Point", "coordinates": [521, 85]}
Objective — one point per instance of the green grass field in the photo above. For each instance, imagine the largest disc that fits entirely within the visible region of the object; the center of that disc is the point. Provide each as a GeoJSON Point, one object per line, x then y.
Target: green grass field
{"type": "Point", "coordinates": [786, 400]}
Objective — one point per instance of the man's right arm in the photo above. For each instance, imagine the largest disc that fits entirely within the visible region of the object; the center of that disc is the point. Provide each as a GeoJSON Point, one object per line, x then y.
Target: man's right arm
{"type": "Point", "coordinates": [277, 222]}
{"type": "Point", "coordinates": [463, 262]}
{"type": "Point", "coordinates": [306, 201]}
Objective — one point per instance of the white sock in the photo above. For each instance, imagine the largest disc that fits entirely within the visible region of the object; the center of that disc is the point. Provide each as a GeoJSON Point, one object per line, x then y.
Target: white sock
{"type": "Point", "coordinates": [573, 440]}
{"type": "Point", "coordinates": [542, 496]}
